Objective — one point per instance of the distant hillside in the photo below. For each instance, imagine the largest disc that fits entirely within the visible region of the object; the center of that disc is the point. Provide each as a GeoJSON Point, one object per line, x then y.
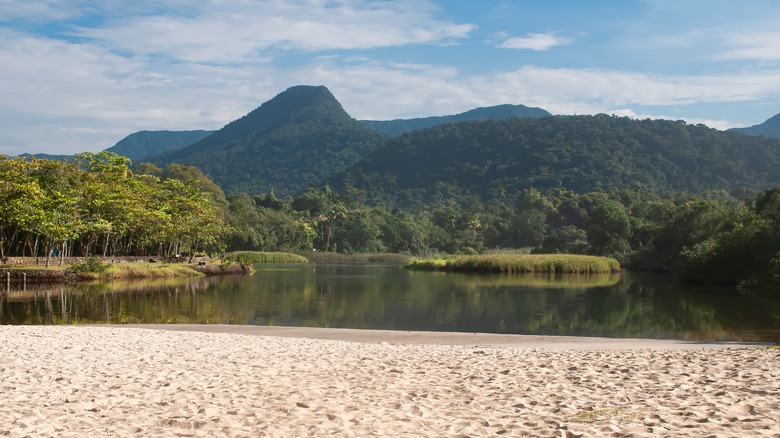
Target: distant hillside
{"type": "Point", "coordinates": [499, 158]}
{"type": "Point", "coordinates": [770, 128]}
{"type": "Point", "coordinates": [146, 143]}
{"type": "Point", "coordinates": [500, 112]}
{"type": "Point", "coordinates": [289, 143]}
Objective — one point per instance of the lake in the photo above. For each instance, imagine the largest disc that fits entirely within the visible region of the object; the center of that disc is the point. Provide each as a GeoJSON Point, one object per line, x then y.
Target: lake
{"type": "Point", "coordinates": [388, 297]}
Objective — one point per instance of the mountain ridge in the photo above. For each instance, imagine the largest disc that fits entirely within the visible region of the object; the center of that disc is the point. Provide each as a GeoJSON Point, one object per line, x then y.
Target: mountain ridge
{"type": "Point", "coordinates": [769, 128]}
{"type": "Point", "coordinates": [142, 144]}
{"type": "Point", "coordinates": [398, 127]}
{"type": "Point", "coordinates": [288, 143]}
{"type": "Point", "coordinates": [579, 153]}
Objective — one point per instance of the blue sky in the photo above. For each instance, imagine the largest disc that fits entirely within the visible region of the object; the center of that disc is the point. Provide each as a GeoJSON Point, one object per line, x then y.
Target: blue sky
{"type": "Point", "coordinates": [79, 75]}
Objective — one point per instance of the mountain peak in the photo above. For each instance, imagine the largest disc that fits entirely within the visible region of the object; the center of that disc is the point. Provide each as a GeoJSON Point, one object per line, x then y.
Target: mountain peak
{"type": "Point", "coordinates": [289, 106]}
{"type": "Point", "coordinates": [302, 131]}
{"type": "Point", "coordinates": [294, 99]}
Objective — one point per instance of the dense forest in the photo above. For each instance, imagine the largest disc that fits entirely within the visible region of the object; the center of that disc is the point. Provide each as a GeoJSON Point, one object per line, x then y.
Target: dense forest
{"type": "Point", "coordinates": [709, 238]}
{"type": "Point", "coordinates": [495, 158]}
{"type": "Point", "coordinates": [397, 127]}
{"type": "Point", "coordinates": [94, 204]}
{"type": "Point", "coordinates": [290, 143]}
{"type": "Point", "coordinates": [142, 144]}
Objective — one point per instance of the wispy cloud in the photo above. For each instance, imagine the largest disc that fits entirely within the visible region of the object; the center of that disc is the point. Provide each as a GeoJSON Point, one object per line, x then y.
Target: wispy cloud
{"type": "Point", "coordinates": [107, 69]}
{"type": "Point", "coordinates": [756, 46]}
{"type": "Point", "coordinates": [535, 41]}
{"type": "Point", "coordinates": [215, 31]}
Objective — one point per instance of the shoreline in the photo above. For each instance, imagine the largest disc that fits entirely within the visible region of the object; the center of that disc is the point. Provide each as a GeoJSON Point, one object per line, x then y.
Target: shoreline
{"type": "Point", "coordinates": [115, 380]}
{"type": "Point", "coordinates": [402, 337]}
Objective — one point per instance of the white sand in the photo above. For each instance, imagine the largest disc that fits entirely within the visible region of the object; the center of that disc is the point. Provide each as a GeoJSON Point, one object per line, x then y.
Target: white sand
{"type": "Point", "coordinates": [112, 381]}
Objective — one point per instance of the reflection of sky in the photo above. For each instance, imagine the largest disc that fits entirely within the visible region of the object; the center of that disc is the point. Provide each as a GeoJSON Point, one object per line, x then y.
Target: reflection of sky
{"type": "Point", "coordinates": [616, 305]}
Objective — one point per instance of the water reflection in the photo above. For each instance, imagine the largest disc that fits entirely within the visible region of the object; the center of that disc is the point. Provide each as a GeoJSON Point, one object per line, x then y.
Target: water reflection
{"type": "Point", "coordinates": [386, 297]}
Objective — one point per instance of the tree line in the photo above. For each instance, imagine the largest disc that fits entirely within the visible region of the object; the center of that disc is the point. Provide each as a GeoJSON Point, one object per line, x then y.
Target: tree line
{"type": "Point", "coordinates": [94, 204]}
{"type": "Point", "coordinates": [710, 237]}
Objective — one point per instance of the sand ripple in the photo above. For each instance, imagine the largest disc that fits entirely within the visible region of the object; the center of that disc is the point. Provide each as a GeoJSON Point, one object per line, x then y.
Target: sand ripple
{"type": "Point", "coordinates": [103, 381]}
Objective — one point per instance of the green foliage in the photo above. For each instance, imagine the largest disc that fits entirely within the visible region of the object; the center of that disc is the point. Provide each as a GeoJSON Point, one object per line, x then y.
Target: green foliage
{"type": "Point", "coordinates": [92, 265]}
{"type": "Point", "coordinates": [250, 257]}
{"type": "Point", "coordinates": [290, 143]}
{"type": "Point", "coordinates": [143, 144]}
{"type": "Point", "coordinates": [493, 159]}
{"type": "Point", "coordinates": [95, 204]}
{"type": "Point", "coordinates": [521, 263]}
{"type": "Point", "coordinates": [742, 255]}
{"type": "Point", "coordinates": [499, 112]}
{"type": "Point", "coordinates": [336, 258]}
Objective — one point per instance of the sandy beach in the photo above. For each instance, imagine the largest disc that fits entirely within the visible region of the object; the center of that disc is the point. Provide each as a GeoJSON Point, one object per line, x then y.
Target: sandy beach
{"type": "Point", "coordinates": [234, 381]}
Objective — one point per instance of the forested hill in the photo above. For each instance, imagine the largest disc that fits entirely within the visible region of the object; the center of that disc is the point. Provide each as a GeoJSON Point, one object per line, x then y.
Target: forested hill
{"type": "Point", "coordinates": [143, 144]}
{"type": "Point", "coordinates": [500, 112]}
{"type": "Point", "coordinates": [500, 158]}
{"type": "Point", "coordinates": [770, 128]}
{"type": "Point", "coordinates": [289, 143]}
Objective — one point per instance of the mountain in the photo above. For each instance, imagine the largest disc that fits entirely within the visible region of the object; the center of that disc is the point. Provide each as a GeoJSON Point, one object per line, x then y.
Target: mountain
{"type": "Point", "coordinates": [770, 128]}
{"type": "Point", "coordinates": [289, 143]}
{"type": "Point", "coordinates": [500, 112]}
{"type": "Point", "coordinates": [496, 158]}
{"type": "Point", "coordinates": [143, 144]}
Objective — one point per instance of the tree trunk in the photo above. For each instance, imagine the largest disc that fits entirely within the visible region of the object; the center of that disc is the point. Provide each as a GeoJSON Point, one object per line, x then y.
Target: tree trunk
{"type": "Point", "coordinates": [2, 244]}
{"type": "Point", "coordinates": [105, 244]}
{"type": "Point", "coordinates": [48, 253]}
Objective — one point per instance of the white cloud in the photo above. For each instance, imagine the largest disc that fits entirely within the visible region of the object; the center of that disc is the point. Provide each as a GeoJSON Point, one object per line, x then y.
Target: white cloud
{"type": "Point", "coordinates": [200, 67]}
{"type": "Point", "coordinates": [535, 41]}
{"type": "Point", "coordinates": [60, 97]}
{"type": "Point", "coordinates": [712, 123]}
{"type": "Point", "coordinates": [757, 46]}
{"type": "Point", "coordinates": [218, 32]}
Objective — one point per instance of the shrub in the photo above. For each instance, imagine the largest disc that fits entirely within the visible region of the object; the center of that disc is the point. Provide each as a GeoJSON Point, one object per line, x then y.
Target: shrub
{"type": "Point", "coordinates": [92, 265]}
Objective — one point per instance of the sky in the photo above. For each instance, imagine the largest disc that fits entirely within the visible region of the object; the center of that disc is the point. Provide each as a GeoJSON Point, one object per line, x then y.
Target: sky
{"type": "Point", "coordinates": [80, 75]}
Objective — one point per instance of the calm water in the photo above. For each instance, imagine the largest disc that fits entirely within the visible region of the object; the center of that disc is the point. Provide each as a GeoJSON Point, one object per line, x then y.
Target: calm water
{"type": "Point", "coordinates": [387, 297]}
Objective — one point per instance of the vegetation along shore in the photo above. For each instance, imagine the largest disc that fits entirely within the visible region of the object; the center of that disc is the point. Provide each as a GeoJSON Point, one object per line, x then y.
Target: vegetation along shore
{"type": "Point", "coordinates": [519, 263]}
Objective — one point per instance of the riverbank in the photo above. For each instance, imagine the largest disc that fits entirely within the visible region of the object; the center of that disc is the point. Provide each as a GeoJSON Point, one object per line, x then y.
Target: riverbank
{"type": "Point", "coordinates": [117, 271]}
{"type": "Point", "coordinates": [122, 381]}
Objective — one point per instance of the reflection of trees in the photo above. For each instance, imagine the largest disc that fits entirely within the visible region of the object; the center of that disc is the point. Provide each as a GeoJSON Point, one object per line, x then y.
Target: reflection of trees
{"type": "Point", "coordinates": [629, 305]}
{"type": "Point", "coordinates": [190, 300]}
{"type": "Point", "coordinates": [382, 297]}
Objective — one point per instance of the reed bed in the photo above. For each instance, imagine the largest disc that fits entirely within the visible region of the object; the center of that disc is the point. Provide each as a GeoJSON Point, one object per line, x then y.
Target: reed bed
{"type": "Point", "coordinates": [336, 258]}
{"type": "Point", "coordinates": [137, 270]}
{"type": "Point", "coordinates": [249, 257]}
{"type": "Point", "coordinates": [520, 263]}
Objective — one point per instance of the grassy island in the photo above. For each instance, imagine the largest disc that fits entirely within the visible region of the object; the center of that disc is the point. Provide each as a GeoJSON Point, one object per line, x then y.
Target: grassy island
{"type": "Point", "coordinates": [519, 263]}
{"type": "Point", "coordinates": [249, 257]}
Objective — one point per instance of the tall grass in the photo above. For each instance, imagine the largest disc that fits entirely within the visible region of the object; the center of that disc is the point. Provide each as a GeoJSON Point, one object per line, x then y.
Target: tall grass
{"type": "Point", "coordinates": [136, 270]}
{"type": "Point", "coordinates": [249, 257]}
{"type": "Point", "coordinates": [519, 263]}
{"type": "Point", "coordinates": [336, 258]}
